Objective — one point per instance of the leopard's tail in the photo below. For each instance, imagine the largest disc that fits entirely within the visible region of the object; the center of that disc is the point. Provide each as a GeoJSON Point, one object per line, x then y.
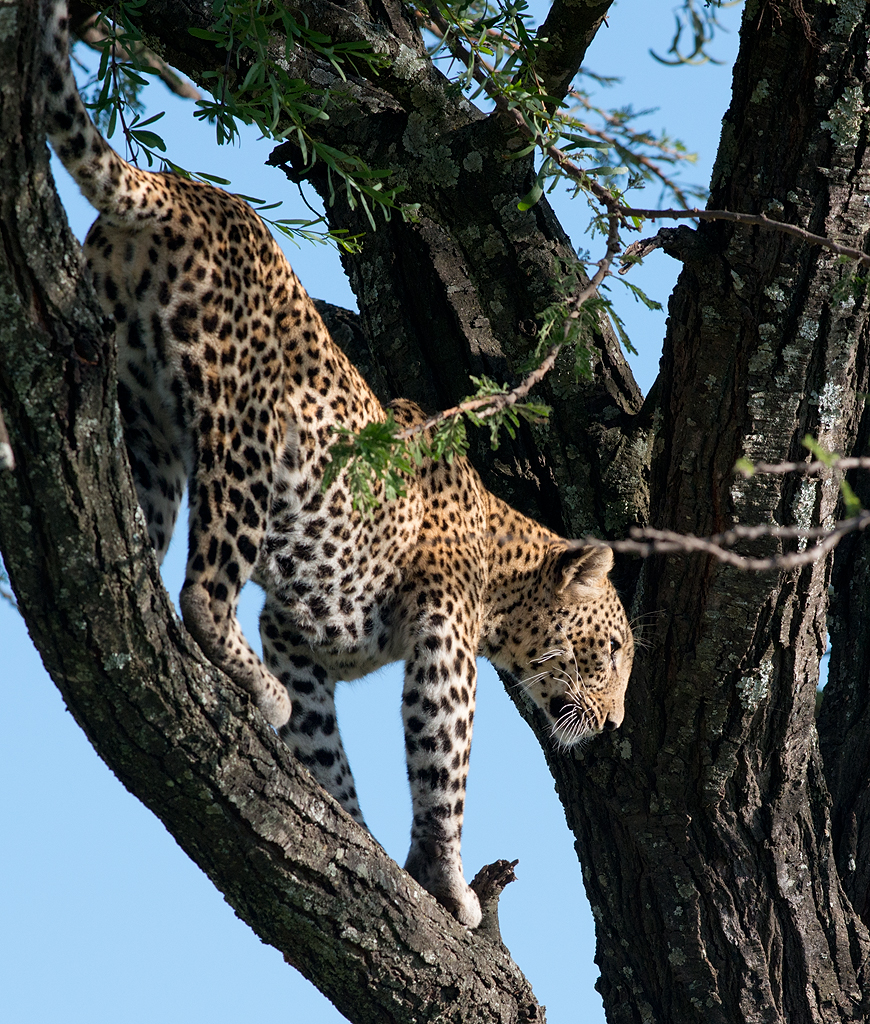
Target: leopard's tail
{"type": "Point", "coordinates": [107, 181]}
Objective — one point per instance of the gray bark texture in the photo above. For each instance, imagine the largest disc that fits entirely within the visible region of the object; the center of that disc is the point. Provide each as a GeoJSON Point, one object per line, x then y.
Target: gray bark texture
{"type": "Point", "coordinates": [723, 831]}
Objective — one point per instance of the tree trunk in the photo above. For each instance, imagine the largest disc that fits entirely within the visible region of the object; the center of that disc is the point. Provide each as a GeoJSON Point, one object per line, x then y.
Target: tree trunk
{"type": "Point", "coordinates": [714, 880]}
{"type": "Point", "coordinates": [720, 854]}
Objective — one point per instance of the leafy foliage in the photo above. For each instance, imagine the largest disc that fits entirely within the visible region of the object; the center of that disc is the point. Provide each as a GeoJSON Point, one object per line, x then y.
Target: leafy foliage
{"type": "Point", "coordinates": [381, 458]}
{"type": "Point", "coordinates": [267, 97]}
{"type": "Point", "coordinates": [501, 49]}
{"type": "Point", "coordinates": [284, 107]}
{"type": "Point", "coordinates": [377, 462]}
{"type": "Point", "coordinates": [494, 49]}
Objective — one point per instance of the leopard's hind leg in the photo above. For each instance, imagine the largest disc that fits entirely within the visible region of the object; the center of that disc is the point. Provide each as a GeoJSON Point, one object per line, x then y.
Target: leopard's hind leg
{"type": "Point", "coordinates": [159, 464]}
{"type": "Point", "coordinates": [312, 732]}
{"type": "Point", "coordinates": [227, 526]}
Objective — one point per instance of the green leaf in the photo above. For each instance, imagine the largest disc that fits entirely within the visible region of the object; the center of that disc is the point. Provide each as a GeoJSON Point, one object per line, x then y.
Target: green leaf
{"type": "Point", "coordinates": [204, 33]}
{"type": "Point", "coordinates": [851, 504]}
{"type": "Point", "coordinates": [150, 139]}
{"type": "Point", "coordinates": [213, 178]}
{"type": "Point", "coordinates": [608, 172]}
{"type": "Point", "coordinates": [817, 451]}
{"type": "Point", "coordinates": [150, 120]}
{"type": "Point", "coordinates": [582, 142]}
{"type": "Point", "coordinates": [530, 198]}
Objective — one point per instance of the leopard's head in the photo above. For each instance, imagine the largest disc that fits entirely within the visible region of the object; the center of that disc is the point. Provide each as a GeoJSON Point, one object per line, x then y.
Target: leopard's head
{"type": "Point", "coordinates": [569, 645]}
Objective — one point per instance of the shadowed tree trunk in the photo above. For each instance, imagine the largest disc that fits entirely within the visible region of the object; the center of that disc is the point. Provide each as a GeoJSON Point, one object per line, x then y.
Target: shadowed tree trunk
{"type": "Point", "coordinates": [726, 863]}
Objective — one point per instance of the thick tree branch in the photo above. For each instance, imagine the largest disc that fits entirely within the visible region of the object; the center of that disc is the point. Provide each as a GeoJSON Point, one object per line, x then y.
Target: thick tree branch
{"type": "Point", "coordinates": [290, 862]}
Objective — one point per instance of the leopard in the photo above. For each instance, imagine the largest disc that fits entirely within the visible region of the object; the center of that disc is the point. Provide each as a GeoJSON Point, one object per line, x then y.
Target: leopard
{"type": "Point", "coordinates": [230, 387]}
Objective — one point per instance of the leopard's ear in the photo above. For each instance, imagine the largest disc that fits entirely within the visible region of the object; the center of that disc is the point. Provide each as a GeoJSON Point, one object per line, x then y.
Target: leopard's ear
{"type": "Point", "coordinates": [584, 567]}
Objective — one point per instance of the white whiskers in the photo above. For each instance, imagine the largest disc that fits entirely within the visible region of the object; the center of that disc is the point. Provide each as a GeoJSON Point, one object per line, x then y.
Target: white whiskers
{"type": "Point", "coordinates": [577, 721]}
{"type": "Point", "coordinates": [575, 725]}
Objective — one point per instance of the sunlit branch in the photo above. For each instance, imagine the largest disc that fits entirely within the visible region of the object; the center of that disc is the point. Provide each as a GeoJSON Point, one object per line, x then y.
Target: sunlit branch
{"type": "Point", "coordinates": [851, 462]}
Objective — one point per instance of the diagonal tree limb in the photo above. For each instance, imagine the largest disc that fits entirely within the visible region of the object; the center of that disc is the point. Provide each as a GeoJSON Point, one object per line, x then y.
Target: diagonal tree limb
{"type": "Point", "coordinates": [177, 734]}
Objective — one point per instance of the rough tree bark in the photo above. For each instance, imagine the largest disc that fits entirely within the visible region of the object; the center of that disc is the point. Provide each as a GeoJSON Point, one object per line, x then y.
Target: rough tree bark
{"type": "Point", "coordinates": [725, 861]}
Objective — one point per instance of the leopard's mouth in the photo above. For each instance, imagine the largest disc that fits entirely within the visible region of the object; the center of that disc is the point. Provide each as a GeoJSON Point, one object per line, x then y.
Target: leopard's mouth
{"type": "Point", "coordinates": [574, 722]}
{"type": "Point", "coordinates": [558, 707]}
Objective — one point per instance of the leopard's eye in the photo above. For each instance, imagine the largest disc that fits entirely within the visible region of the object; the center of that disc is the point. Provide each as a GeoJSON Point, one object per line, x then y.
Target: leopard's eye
{"type": "Point", "coordinates": [615, 645]}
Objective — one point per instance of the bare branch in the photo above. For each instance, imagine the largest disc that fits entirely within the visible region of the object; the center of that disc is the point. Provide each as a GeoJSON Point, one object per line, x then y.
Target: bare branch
{"type": "Point", "coordinates": [648, 541]}
{"type": "Point", "coordinates": [752, 219]}
{"type": "Point", "coordinates": [807, 468]}
{"type": "Point", "coordinates": [489, 883]}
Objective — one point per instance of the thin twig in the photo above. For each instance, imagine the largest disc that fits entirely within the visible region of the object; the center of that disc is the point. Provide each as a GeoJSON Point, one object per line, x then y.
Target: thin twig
{"type": "Point", "coordinates": [662, 542]}
{"type": "Point", "coordinates": [754, 220]}
{"type": "Point", "coordinates": [862, 462]}
{"type": "Point", "coordinates": [649, 163]}
{"type": "Point", "coordinates": [492, 403]}
{"type": "Point", "coordinates": [482, 72]}
{"type": "Point", "coordinates": [607, 198]}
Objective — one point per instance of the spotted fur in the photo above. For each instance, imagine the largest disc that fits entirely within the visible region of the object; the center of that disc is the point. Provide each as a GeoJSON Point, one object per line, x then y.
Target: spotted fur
{"type": "Point", "coordinates": [229, 384]}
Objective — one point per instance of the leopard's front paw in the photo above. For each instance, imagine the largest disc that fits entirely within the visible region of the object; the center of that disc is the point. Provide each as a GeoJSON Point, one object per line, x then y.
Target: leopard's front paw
{"type": "Point", "coordinates": [461, 900]}
{"type": "Point", "coordinates": [437, 869]}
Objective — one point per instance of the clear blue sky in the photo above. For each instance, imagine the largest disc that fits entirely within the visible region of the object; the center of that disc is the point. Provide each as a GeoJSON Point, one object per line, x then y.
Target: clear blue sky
{"type": "Point", "coordinates": [105, 920]}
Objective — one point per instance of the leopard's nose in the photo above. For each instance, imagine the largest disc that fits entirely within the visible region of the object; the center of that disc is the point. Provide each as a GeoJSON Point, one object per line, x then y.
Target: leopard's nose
{"type": "Point", "coordinates": [614, 718]}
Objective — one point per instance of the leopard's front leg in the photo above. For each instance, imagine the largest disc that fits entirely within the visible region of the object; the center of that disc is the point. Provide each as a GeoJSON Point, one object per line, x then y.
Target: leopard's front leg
{"type": "Point", "coordinates": [438, 711]}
